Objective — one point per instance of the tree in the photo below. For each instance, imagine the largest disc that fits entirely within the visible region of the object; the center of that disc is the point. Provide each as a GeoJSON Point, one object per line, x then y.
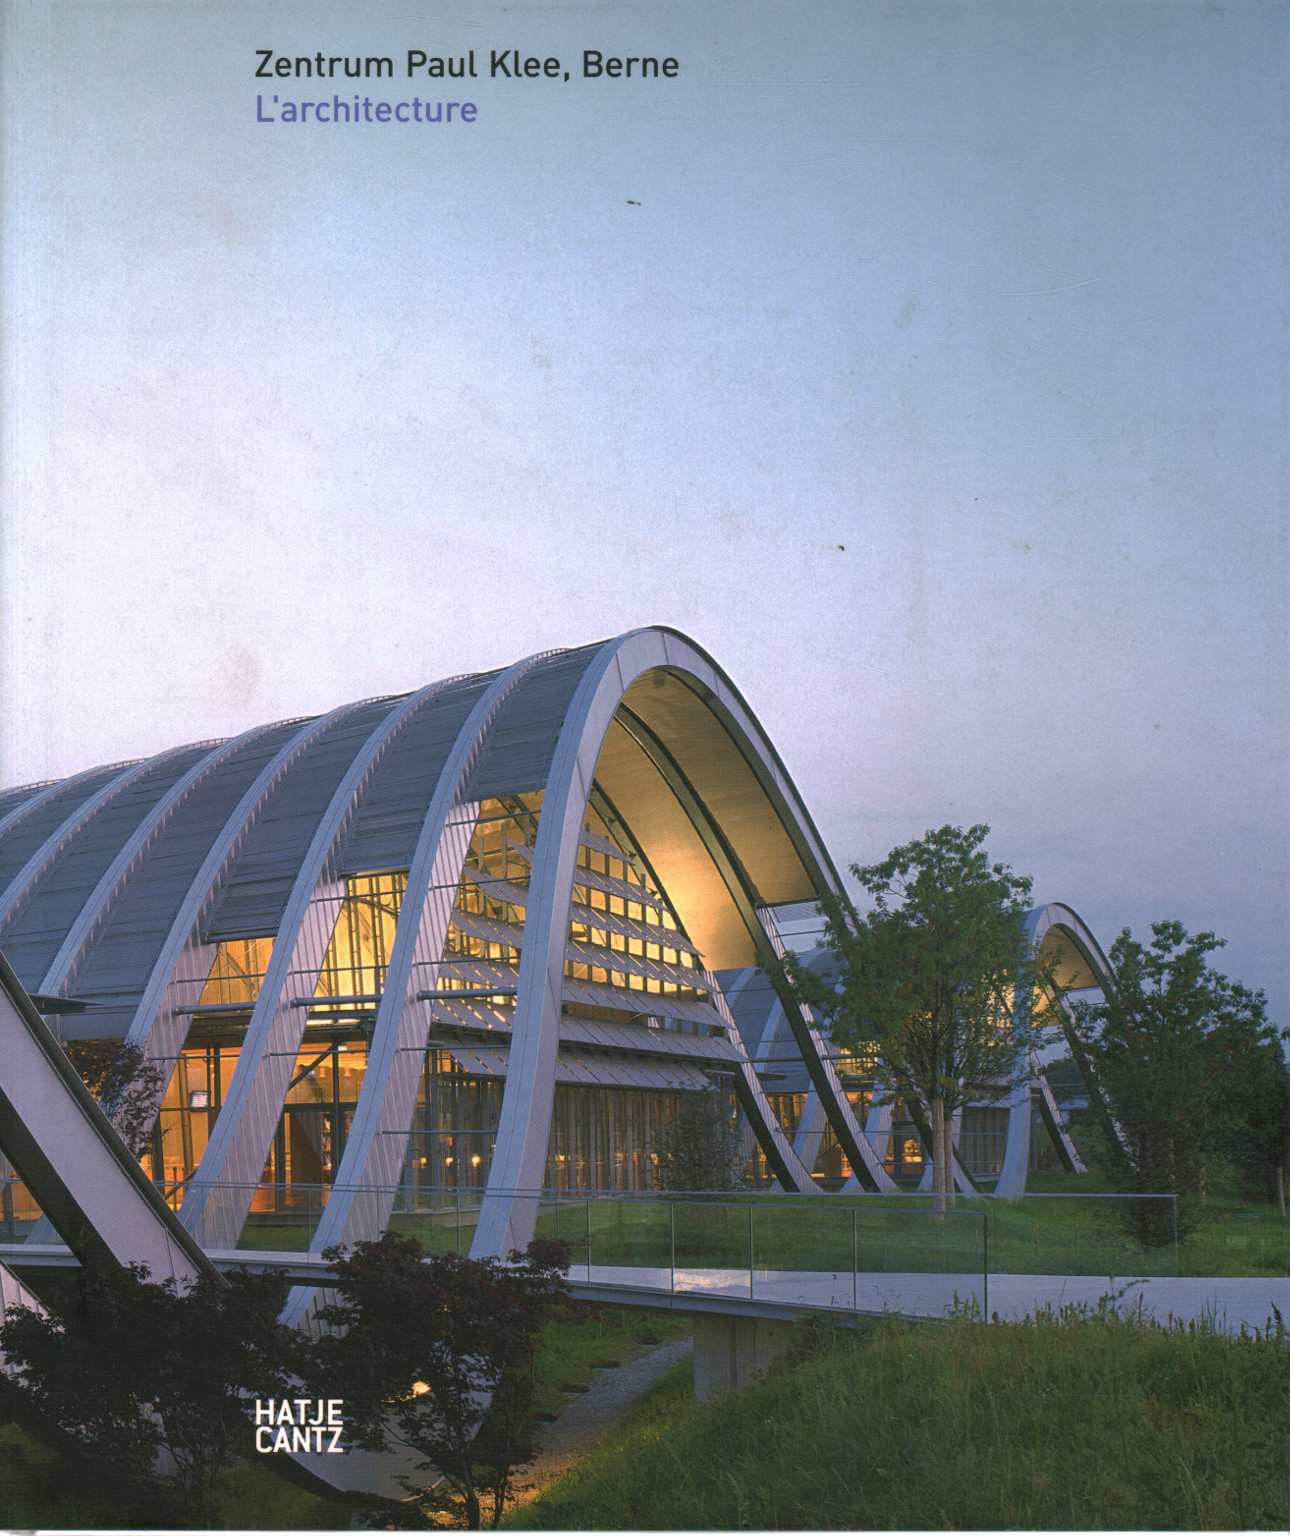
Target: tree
{"type": "Point", "coordinates": [938, 983]}
{"type": "Point", "coordinates": [1191, 1067]}
{"type": "Point", "coordinates": [127, 1085]}
{"type": "Point", "coordinates": [1254, 1116]}
{"type": "Point", "coordinates": [698, 1149]}
{"type": "Point", "coordinates": [127, 1368]}
{"type": "Point", "coordinates": [436, 1354]}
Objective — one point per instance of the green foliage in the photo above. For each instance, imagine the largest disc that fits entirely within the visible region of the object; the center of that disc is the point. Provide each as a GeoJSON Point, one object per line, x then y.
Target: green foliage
{"type": "Point", "coordinates": [699, 1150]}
{"type": "Point", "coordinates": [1192, 1069]}
{"type": "Point", "coordinates": [127, 1085]}
{"type": "Point", "coordinates": [435, 1353]}
{"type": "Point", "coordinates": [936, 982]}
{"type": "Point", "coordinates": [128, 1368]}
{"type": "Point", "coordinates": [41, 1489]}
{"type": "Point", "coordinates": [1082, 1420]}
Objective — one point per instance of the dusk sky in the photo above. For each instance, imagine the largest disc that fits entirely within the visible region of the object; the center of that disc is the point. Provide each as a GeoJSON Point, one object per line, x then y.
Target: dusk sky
{"type": "Point", "coordinates": [925, 362]}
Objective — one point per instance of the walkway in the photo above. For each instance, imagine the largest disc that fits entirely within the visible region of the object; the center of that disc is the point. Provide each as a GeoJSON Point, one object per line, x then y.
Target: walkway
{"type": "Point", "coordinates": [588, 1418]}
{"type": "Point", "coordinates": [1231, 1303]}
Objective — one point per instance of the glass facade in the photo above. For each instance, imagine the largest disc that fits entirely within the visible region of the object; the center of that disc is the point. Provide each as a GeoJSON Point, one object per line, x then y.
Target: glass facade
{"type": "Point", "coordinates": [983, 1134]}
{"type": "Point", "coordinates": [627, 962]}
{"type": "Point", "coordinates": [904, 1155]}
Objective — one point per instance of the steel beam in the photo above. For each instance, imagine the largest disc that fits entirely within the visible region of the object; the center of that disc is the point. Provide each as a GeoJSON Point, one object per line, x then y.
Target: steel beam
{"type": "Point", "coordinates": [372, 1166]}
{"type": "Point", "coordinates": [77, 1168]}
{"type": "Point", "coordinates": [519, 1157]}
{"type": "Point", "coordinates": [1011, 1184]}
{"type": "Point", "coordinates": [224, 1185]}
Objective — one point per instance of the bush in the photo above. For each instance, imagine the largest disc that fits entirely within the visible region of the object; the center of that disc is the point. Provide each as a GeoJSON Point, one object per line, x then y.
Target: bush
{"type": "Point", "coordinates": [436, 1355]}
{"type": "Point", "coordinates": [125, 1368]}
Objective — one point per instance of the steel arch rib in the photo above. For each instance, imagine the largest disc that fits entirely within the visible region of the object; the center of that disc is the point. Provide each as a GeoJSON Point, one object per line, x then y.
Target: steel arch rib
{"type": "Point", "coordinates": [760, 924]}
{"type": "Point", "coordinates": [25, 882]}
{"type": "Point", "coordinates": [42, 794]}
{"type": "Point", "coordinates": [808, 1138]}
{"type": "Point", "coordinates": [812, 1122]}
{"type": "Point", "coordinates": [761, 1118]}
{"type": "Point", "coordinates": [107, 1208]}
{"type": "Point", "coordinates": [519, 1157]}
{"type": "Point", "coordinates": [184, 960]}
{"type": "Point", "coordinates": [1011, 1183]}
{"type": "Point", "coordinates": [374, 1151]}
{"type": "Point", "coordinates": [224, 1184]}
{"type": "Point", "coordinates": [64, 1149]}
{"type": "Point", "coordinates": [98, 905]}
{"type": "Point", "coordinates": [729, 997]}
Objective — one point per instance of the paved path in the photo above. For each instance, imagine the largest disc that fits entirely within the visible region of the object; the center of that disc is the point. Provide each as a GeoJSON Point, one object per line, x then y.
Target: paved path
{"type": "Point", "coordinates": [589, 1416]}
{"type": "Point", "coordinates": [1231, 1303]}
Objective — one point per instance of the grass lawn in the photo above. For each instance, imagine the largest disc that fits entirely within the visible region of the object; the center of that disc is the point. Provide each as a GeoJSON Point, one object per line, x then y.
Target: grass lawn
{"type": "Point", "coordinates": [1076, 1423]}
{"type": "Point", "coordinates": [570, 1353]}
{"type": "Point", "coordinates": [1046, 1232]}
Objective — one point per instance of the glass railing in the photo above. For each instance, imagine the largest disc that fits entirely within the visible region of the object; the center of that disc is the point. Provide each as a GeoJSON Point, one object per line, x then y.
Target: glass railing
{"type": "Point", "coordinates": [759, 1235]}
{"type": "Point", "coordinates": [1080, 1233]}
{"type": "Point", "coordinates": [1041, 1234]}
{"type": "Point", "coordinates": [795, 1251]}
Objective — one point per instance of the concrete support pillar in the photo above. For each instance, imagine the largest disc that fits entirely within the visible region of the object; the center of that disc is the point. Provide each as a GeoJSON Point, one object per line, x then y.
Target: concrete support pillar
{"type": "Point", "coordinates": [727, 1350]}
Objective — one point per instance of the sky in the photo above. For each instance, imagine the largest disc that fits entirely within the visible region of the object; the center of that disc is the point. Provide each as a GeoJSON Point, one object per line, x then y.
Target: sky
{"type": "Point", "coordinates": [925, 362]}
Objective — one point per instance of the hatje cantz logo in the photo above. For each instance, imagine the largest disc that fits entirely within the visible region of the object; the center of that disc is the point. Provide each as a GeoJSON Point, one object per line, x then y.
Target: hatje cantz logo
{"type": "Point", "coordinates": [299, 1424]}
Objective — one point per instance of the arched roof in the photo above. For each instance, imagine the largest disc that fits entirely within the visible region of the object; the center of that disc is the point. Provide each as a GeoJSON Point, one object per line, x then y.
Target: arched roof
{"type": "Point", "coordinates": [116, 885]}
{"type": "Point", "coordinates": [109, 857]}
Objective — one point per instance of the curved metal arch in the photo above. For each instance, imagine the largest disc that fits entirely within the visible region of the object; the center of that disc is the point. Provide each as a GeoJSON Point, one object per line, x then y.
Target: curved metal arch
{"type": "Point", "coordinates": [732, 710]}
{"type": "Point", "coordinates": [223, 1186]}
{"type": "Point", "coordinates": [1056, 914]}
{"type": "Point", "coordinates": [97, 907]}
{"type": "Point", "coordinates": [114, 880]}
{"type": "Point", "coordinates": [758, 1118]}
{"type": "Point", "coordinates": [1011, 1183]}
{"type": "Point", "coordinates": [730, 995]}
{"type": "Point", "coordinates": [519, 1157]}
{"type": "Point", "coordinates": [362, 1195]}
{"type": "Point", "coordinates": [184, 959]}
{"type": "Point", "coordinates": [41, 794]}
{"type": "Point", "coordinates": [64, 1149]}
{"type": "Point", "coordinates": [808, 1136]}
{"type": "Point", "coordinates": [812, 1122]}
{"type": "Point", "coordinates": [760, 924]}
{"type": "Point", "coordinates": [24, 883]}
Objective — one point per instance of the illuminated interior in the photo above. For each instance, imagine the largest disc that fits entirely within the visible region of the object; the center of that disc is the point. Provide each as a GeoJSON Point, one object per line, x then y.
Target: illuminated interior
{"type": "Point", "coordinates": [628, 961]}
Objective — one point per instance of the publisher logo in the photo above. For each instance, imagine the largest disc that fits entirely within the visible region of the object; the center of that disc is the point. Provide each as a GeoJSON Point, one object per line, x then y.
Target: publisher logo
{"type": "Point", "coordinates": [299, 1424]}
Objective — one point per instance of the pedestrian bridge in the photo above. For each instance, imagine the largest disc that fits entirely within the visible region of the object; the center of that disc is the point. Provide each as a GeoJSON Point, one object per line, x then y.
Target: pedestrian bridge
{"type": "Point", "coordinates": [742, 1310]}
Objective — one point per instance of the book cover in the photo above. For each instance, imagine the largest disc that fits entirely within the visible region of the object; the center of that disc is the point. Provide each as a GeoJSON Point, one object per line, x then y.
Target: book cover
{"type": "Point", "coordinates": [924, 363]}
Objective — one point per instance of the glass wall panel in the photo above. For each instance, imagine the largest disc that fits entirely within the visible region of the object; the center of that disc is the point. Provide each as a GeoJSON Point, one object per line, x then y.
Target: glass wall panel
{"type": "Point", "coordinates": [238, 970]}
{"type": "Point", "coordinates": [451, 1146]}
{"type": "Point", "coordinates": [360, 946]}
{"type": "Point", "coordinates": [982, 1137]}
{"type": "Point", "coordinates": [188, 1111]}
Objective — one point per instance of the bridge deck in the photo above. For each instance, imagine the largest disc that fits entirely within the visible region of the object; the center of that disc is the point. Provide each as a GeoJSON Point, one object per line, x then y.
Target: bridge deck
{"type": "Point", "coordinates": [1229, 1302]}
